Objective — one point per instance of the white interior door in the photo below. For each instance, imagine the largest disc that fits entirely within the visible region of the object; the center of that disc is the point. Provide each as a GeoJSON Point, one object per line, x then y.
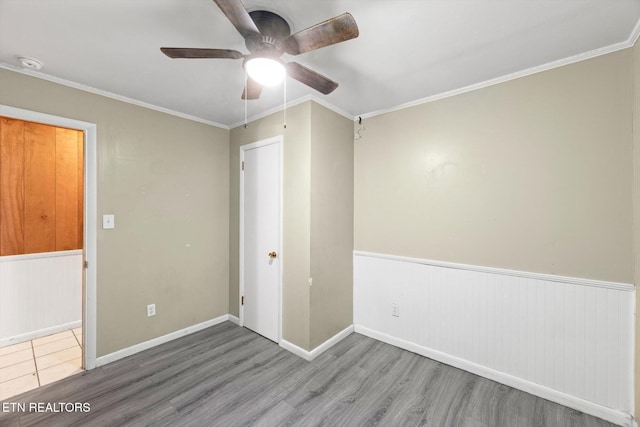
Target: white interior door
{"type": "Point", "coordinates": [260, 237]}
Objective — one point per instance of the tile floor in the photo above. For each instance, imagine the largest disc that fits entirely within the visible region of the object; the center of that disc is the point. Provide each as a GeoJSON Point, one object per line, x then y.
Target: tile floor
{"type": "Point", "coordinates": [38, 362]}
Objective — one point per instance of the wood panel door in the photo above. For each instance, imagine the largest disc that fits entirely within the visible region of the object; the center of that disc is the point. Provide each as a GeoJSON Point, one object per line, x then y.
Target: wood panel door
{"type": "Point", "coordinates": [11, 186]}
{"type": "Point", "coordinates": [68, 206]}
{"type": "Point", "coordinates": [41, 188]}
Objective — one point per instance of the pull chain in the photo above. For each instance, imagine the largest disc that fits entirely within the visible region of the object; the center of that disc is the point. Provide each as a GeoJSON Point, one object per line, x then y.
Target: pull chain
{"type": "Point", "coordinates": [285, 102]}
{"type": "Point", "coordinates": [246, 125]}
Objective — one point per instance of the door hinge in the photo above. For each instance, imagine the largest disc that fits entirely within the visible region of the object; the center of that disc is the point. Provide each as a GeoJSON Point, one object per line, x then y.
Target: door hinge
{"type": "Point", "coordinates": [243, 165]}
{"type": "Point", "coordinates": [86, 264]}
{"type": "Point", "coordinates": [242, 300]}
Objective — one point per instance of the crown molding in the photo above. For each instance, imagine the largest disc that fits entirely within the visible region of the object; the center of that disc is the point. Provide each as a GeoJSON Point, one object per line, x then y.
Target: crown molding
{"type": "Point", "coordinates": [107, 94]}
{"type": "Point", "coordinates": [513, 76]}
{"type": "Point", "coordinates": [328, 105]}
{"type": "Point", "coordinates": [291, 104]}
{"type": "Point", "coordinates": [271, 111]}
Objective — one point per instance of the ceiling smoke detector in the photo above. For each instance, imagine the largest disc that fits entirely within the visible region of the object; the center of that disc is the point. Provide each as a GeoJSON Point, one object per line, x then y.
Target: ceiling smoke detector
{"type": "Point", "coordinates": [30, 63]}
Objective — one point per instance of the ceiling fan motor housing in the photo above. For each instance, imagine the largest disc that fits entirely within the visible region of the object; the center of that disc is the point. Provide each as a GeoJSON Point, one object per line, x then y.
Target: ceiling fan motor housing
{"type": "Point", "coordinates": [270, 24]}
{"type": "Point", "coordinates": [265, 46]}
{"type": "Point", "coordinates": [273, 28]}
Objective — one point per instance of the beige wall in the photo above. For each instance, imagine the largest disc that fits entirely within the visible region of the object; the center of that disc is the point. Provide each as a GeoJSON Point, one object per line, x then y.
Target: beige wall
{"type": "Point", "coordinates": [331, 223]}
{"type": "Point", "coordinates": [636, 205]}
{"type": "Point", "coordinates": [166, 180]}
{"type": "Point", "coordinates": [318, 220]}
{"type": "Point", "coordinates": [296, 216]}
{"type": "Point", "coordinates": [534, 174]}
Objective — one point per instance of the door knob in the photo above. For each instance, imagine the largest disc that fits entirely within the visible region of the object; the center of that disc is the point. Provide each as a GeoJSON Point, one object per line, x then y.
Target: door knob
{"type": "Point", "coordinates": [272, 255]}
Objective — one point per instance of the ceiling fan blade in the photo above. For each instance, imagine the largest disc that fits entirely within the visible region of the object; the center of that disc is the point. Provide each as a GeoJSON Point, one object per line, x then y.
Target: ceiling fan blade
{"type": "Point", "coordinates": [331, 31]}
{"type": "Point", "coordinates": [253, 89]}
{"type": "Point", "coordinates": [311, 78]}
{"type": "Point", "coordinates": [236, 13]}
{"type": "Point", "coordinates": [187, 52]}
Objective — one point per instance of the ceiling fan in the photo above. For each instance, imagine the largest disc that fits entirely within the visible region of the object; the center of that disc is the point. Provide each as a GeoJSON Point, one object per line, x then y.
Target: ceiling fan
{"type": "Point", "coordinates": [267, 37]}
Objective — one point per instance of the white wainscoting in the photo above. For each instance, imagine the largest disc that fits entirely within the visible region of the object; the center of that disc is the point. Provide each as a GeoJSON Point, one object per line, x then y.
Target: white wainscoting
{"type": "Point", "coordinates": [40, 294]}
{"type": "Point", "coordinates": [569, 340]}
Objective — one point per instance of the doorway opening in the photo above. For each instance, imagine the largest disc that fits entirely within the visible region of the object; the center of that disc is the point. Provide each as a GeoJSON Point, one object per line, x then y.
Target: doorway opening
{"type": "Point", "coordinates": [65, 244]}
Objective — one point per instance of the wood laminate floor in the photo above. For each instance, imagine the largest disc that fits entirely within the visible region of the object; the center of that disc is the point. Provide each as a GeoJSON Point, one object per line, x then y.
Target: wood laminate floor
{"type": "Point", "coordinates": [228, 376]}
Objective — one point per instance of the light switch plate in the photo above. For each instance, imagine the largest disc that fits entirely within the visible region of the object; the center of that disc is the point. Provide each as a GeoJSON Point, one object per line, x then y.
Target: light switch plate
{"type": "Point", "coordinates": [108, 221]}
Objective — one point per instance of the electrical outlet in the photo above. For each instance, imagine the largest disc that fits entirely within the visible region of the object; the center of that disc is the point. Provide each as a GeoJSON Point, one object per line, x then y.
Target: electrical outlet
{"type": "Point", "coordinates": [151, 310]}
{"type": "Point", "coordinates": [395, 310]}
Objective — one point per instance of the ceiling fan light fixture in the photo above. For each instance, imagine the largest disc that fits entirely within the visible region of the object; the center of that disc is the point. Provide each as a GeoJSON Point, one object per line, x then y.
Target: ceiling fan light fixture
{"type": "Point", "coordinates": [266, 71]}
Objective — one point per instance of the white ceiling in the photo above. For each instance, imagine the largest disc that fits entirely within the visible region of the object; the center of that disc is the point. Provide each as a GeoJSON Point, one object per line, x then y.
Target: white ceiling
{"type": "Point", "coordinates": [407, 49]}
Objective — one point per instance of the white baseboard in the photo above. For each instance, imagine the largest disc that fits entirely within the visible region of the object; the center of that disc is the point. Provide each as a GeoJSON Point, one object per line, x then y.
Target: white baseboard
{"type": "Point", "coordinates": [234, 319]}
{"type": "Point", "coordinates": [120, 354]}
{"type": "Point", "coordinates": [298, 351]}
{"type": "Point", "coordinates": [331, 342]}
{"type": "Point", "coordinates": [310, 355]}
{"type": "Point", "coordinates": [587, 407]}
{"type": "Point", "coordinates": [39, 333]}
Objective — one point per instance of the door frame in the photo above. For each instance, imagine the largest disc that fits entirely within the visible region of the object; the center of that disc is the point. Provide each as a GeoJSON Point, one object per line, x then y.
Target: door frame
{"type": "Point", "coordinates": [243, 148]}
{"type": "Point", "coordinates": [89, 281]}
